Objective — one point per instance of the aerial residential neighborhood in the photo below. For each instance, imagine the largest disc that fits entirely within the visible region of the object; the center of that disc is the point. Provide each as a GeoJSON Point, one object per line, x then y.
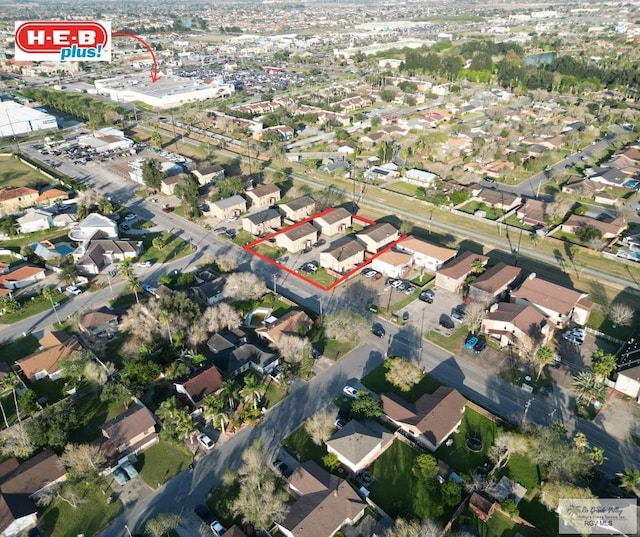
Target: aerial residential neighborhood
{"type": "Point", "coordinates": [322, 270]}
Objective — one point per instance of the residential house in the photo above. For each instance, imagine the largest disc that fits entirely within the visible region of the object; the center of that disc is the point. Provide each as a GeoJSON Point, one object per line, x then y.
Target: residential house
{"type": "Point", "coordinates": [561, 304]}
{"type": "Point", "coordinates": [263, 196]}
{"type": "Point", "coordinates": [373, 138]}
{"type": "Point", "coordinates": [452, 275]}
{"type": "Point", "coordinates": [609, 230]}
{"type": "Point", "coordinates": [51, 195]}
{"type": "Point", "coordinates": [343, 255]}
{"type": "Point", "coordinates": [431, 419]}
{"type": "Point", "coordinates": [494, 283]}
{"type": "Point", "coordinates": [298, 209]}
{"type": "Point", "coordinates": [22, 276]}
{"type": "Point", "coordinates": [98, 251]}
{"type": "Point", "coordinates": [293, 323]}
{"type": "Point", "coordinates": [16, 198]}
{"type": "Point", "coordinates": [226, 340]}
{"type": "Point", "coordinates": [582, 186]}
{"type": "Point", "coordinates": [235, 531]}
{"type": "Point", "coordinates": [247, 356]}
{"type": "Point", "coordinates": [168, 184]}
{"type": "Point", "coordinates": [93, 223]}
{"type": "Point", "coordinates": [496, 168]}
{"type": "Point", "coordinates": [210, 292]}
{"type": "Point", "coordinates": [425, 254]}
{"type": "Point", "coordinates": [421, 178]}
{"type": "Point", "coordinates": [34, 220]}
{"type": "Point", "coordinates": [205, 382]}
{"type": "Point", "coordinates": [324, 503]}
{"type": "Point", "coordinates": [281, 132]}
{"type": "Point", "coordinates": [610, 176]}
{"type": "Point", "coordinates": [482, 505]}
{"type": "Point", "coordinates": [334, 222]}
{"type": "Point", "coordinates": [376, 237]}
{"type": "Point", "coordinates": [533, 212]}
{"type": "Point", "coordinates": [347, 148]}
{"type": "Point", "coordinates": [128, 433]}
{"type": "Point", "coordinates": [229, 207]}
{"type": "Point", "coordinates": [359, 443]}
{"type": "Point", "coordinates": [548, 142]}
{"type": "Point", "coordinates": [208, 174]}
{"type": "Point", "coordinates": [628, 382]}
{"type": "Point", "coordinates": [514, 323]}
{"type": "Point", "coordinates": [297, 238]}
{"type": "Point", "coordinates": [606, 198]}
{"type": "Point", "coordinates": [392, 264]}
{"type": "Point", "coordinates": [262, 222]}
{"type": "Point", "coordinates": [499, 199]}
{"type": "Point", "coordinates": [20, 487]}
{"type": "Point", "coordinates": [103, 321]}
{"type": "Point", "coordinates": [385, 171]}
{"type": "Point", "coordinates": [54, 347]}
{"type": "Point", "coordinates": [335, 167]}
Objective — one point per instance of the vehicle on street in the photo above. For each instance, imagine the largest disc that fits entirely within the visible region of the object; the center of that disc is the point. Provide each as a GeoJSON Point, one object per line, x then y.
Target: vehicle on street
{"type": "Point", "coordinates": [557, 361]}
{"type": "Point", "coordinates": [145, 264]}
{"type": "Point", "coordinates": [481, 345]}
{"type": "Point", "coordinates": [220, 230]}
{"type": "Point", "coordinates": [73, 290]}
{"type": "Point", "coordinates": [217, 528]}
{"type": "Point", "coordinates": [471, 342]}
{"type": "Point", "coordinates": [148, 288]}
{"type": "Point", "coordinates": [205, 441]}
{"type": "Point", "coordinates": [350, 391]}
{"type": "Point", "coordinates": [405, 316]}
{"type": "Point", "coordinates": [319, 242]}
{"type": "Point", "coordinates": [231, 219]}
{"type": "Point", "coordinates": [167, 209]}
{"type": "Point", "coordinates": [377, 330]}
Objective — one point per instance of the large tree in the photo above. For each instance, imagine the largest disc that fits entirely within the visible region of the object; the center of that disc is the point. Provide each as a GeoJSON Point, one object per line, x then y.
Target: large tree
{"type": "Point", "coordinates": [402, 373]}
{"type": "Point", "coordinates": [244, 286]}
{"type": "Point", "coordinates": [187, 191]}
{"type": "Point", "coordinates": [82, 460]}
{"type": "Point", "coordinates": [177, 424]}
{"type": "Point", "coordinates": [320, 426]}
{"type": "Point", "coordinates": [544, 356]}
{"type": "Point", "coordinates": [345, 325]}
{"type": "Point", "coordinates": [603, 363]}
{"type": "Point", "coordinates": [152, 173]}
{"type": "Point", "coordinates": [413, 528]}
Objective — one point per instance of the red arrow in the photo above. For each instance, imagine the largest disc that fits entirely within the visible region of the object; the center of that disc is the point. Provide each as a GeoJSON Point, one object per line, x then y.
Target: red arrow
{"type": "Point", "coordinates": [154, 72]}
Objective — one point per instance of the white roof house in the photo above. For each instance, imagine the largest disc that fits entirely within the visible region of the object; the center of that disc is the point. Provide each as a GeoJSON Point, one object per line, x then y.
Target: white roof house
{"type": "Point", "coordinates": [94, 222]}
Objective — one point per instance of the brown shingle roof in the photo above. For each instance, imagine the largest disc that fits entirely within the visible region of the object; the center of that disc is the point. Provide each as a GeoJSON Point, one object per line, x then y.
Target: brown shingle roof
{"type": "Point", "coordinates": [204, 383]}
{"type": "Point", "coordinates": [309, 477]}
{"type": "Point", "coordinates": [548, 295]}
{"type": "Point", "coordinates": [496, 278]}
{"type": "Point", "coordinates": [379, 232]}
{"type": "Point", "coordinates": [523, 316]}
{"type": "Point", "coordinates": [394, 258]}
{"type": "Point", "coordinates": [97, 317]}
{"type": "Point", "coordinates": [289, 323]}
{"type": "Point", "coordinates": [33, 474]}
{"type": "Point", "coordinates": [344, 249]}
{"type": "Point", "coordinates": [435, 415]}
{"type": "Point", "coordinates": [263, 191]}
{"type": "Point", "coordinates": [134, 421]}
{"type": "Point", "coordinates": [497, 197]}
{"type": "Point", "coordinates": [460, 265]}
{"type": "Point", "coordinates": [48, 359]}
{"type": "Point", "coordinates": [305, 230]}
{"type": "Point", "coordinates": [335, 216]}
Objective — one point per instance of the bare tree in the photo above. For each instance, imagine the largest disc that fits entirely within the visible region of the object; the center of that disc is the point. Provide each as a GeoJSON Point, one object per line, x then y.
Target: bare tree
{"type": "Point", "coordinates": [413, 528]}
{"type": "Point", "coordinates": [61, 492]}
{"type": "Point", "coordinates": [15, 442]}
{"type": "Point", "coordinates": [345, 325]}
{"type": "Point", "coordinates": [227, 262]}
{"type": "Point", "coordinates": [474, 313]}
{"type": "Point", "coordinates": [142, 321]}
{"type": "Point", "coordinates": [320, 426]}
{"type": "Point", "coordinates": [219, 317]}
{"type": "Point", "coordinates": [559, 206]}
{"type": "Point", "coordinates": [292, 348]}
{"type": "Point", "coordinates": [507, 444]}
{"type": "Point", "coordinates": [163, 524]}
{"type": "Point", "coordinates": [244, 286]}
{"type": "Point", "coordinates": [95, 372]}
{"type": "Point", "coordinates": [621, 314]}
{"type": "Point", "coordinates": [402, 373]}
{"type": "Point", "coordinates": [82, 459]}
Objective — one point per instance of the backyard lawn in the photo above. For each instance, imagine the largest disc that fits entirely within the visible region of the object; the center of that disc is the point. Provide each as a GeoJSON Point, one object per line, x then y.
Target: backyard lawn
{"type": "Point", "coordinates": [300, 445]}
{"type": "Point", "coordinates": [498, 525]}
{"type": "Point", "coordinates": [161, 462]}
{"type": "Point", "coordinates": [93, 412]}
{"type": "Point", "coordinates": [19, 348]}
{"type": "Point", "coordinates": [377, 383]}
{"type": "Point", "coordinates": [402, 187]}
{"type": "Point", "coordinates": [459, 457]}
{"type": "Point", "coordinates": [322, 277]}
{"type": "Point", "coordinates": [242, 237]}
{"type": "Point", "coordinates": [269, 251]}
{"type": "Point", "coordinates": [62, 520]}
{"type": "Point", "coordinates": [514, 221]}
{"type": "Point", "coordinates": [490, 212]}
{"type": "Point", "coordinates": [394, 487]}
{"type": "Point", "coordinates": [524, 471]}
{"type": "Point", "coordinates": [535, 512]}
{"type": "Point", "coordinates": [598, 321]}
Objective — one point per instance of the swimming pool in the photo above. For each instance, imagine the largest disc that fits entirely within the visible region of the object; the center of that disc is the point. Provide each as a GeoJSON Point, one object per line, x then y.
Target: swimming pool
{"type": "Point", "coordinates": [632, 183]}
{"type": "Point", "coordinates": [63, 248]}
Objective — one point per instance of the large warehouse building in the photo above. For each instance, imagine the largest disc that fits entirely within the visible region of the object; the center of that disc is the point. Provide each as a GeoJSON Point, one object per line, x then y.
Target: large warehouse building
{"type": "Point", "coordinates": [167, 92]}
{"type": "Point", "coordinates": [17, 119]}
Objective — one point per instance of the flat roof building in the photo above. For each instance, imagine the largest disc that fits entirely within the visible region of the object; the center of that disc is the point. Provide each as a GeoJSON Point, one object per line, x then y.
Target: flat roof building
{"type": "Point", "coordinates": [17, 119]}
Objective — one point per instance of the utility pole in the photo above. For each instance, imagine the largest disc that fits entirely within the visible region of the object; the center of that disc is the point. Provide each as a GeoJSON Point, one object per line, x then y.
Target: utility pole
{"type": "Point", "coordinates": [275, 286]}
{"type": "Point", "coordinates": [526, 409]}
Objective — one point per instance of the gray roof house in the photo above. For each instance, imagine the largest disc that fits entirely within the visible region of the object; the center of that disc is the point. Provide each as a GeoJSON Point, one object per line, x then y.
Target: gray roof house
{"type": "Point", "coordinates": [226, 208]}
{"type": "Point", "coordinates": [262, 222]}
{"type": "Point", "coordinates": [359, 443]}
{"type": "Point", "coordinates": [244, 357]}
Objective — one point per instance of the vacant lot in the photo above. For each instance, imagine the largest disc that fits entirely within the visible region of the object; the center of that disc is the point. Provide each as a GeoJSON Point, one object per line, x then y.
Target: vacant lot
{"type": "Point", "coordinates": [15, 173]}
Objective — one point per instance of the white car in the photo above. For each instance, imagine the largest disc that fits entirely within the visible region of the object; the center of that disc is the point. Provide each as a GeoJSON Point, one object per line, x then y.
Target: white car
{"type": "Point", "coordinates": [350, 391]}
{"type": "Point", "coordinates": [130, 216]}
{"type": "Point", "coordinates": [206, 442]}
{"type": "Point", "coordinates": [144, 264]}
{"type": "Point", "coordinates": [72, 289]}
{"type": "Point", "coordinates": [231, 219]}
{"type": "Point", "coordinates": [217, 528]}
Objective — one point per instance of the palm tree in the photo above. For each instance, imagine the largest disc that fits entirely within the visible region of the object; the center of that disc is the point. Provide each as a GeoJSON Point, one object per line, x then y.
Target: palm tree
{"type": "Point", "coordinates": [229, 392]}
{"type": "Point", "coordinates": [544, 356]}
{"type": "Point", "coordinates": [253, 391]}
{"type": "Point", "coordinates": [134, 284]}
{"type": "Point", "coordinates": [69, 272]}
{"type": "Point", "coordinates": [588, 387]}
{"type": "Point", "coordinates": [477, 267]}
{"type": "Point", "coordinates": [175, 419]}
{"type": "Point", "coordinates": [214, 412]}
{"type": "Point", "coordinates": [47, 292]}
{"type": "Point", "coordinates": [629, 479]}
{"type": "Point", "coordinates": [11, 381]}
{"type": "Point", "coordinates": [105, 206]}
{"type": "Point", "coordinates": [8, 225]}
{"type": "Point", "coordinates": [126, 268]}
{"type": "Point", "coordinates": [166, 318]}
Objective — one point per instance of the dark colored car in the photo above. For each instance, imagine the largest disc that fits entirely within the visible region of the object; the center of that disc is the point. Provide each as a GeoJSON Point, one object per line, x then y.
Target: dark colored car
{"type": "Point", "coordinates": [203, 512]}
{"type": "Point", "coordinates": [405, 315]}
{"type": "Point", "coordinates": [283, 468]}
{"type": "Point", "coordinates": [319, 242]}
{"type": "Point", "coordinates": [426, 296]}
{"type": "Point", "coordinates": [377, 330]}
{"type": "Point", "coordinates": [480, 346]}
{"type": "Point", "coordinates": [446, 322]}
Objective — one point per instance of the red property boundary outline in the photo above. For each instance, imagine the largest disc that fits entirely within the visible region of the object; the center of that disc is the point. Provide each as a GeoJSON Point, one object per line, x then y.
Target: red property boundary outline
{"type": "Point", "coordinates": [250, 248]}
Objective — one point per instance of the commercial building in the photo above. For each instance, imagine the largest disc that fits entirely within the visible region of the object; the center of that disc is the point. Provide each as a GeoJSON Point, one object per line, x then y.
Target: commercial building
{"type": "Point", "coordinates": [17, 119]}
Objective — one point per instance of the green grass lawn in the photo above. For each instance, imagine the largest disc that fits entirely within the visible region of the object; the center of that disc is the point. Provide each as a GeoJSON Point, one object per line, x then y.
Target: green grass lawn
{"type": "Point", "coordinates": [402, 187]}
{"type": "Point", "coordinates": [491, 213]}
{"type": "Point", "coordinates": [220, 503]}
{"type": "Point", "coordinates": [142, 224]}
{"type": "Point", "coordinates": [395, 489]}
{"type": "Point", "coordinates": [275, 393]}
{"type": "Point", "coordinates": [421, 281]}
{"type": "Point", "coordinates": [93, 414]}
{"type": "Point", "coordinates": [452, 343]}
{"type": "Point", "coordinates": [300, 445]}
{"type": "Point", "coordinates": [522, 470]}
{"type": "Point", "coordinates": [53, 390]}
{"type": "Point", "coordinates": [321, 276]}
{"type": "Point", "coordinates": [541, 386]}
{"type": "Point", "coordinates": [598, 321]}
{"type": "Point", "coordinates": [514, 221]}
{"type": "Point", "coordinates": [242, 237]}
{"type": "Point", "coordinates": [334, 349]}
{"type": "Point", "coordinates": [377, 382]}
{"type": "Point", "coordinates": [19, 348]}
{"type": "Point", "coordinates": [16, 173]}
{"type": "Point", "coordinates": [32, 307]}
{"type": "Point", "coordinates": [37, 236]}
{"type": "Point", "coordinates": [174, 248]}
{"type": "Point", "coordinates": [271, 252]}
{"type": "Point", "coordinates": [161, 462]}
{"type": "Point", "coordinates": [498, 525]}
{"type": "Point", "coordinates": [535, 512]}
{"type": "Point", "coordinates": [459, 456]}
{"type": "Point", "coordinates": [93, 515]}
{"type": "Point", "coordinates": [278, 307]}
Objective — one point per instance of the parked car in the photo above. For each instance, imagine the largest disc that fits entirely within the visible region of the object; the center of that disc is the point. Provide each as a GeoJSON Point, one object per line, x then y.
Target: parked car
{"type": "Point", "coordinates": [205, 441]}
{"type": "Point", "coordinates": [203, 512]}
{"type": "Point", "coordinates": [457, 315]}
{"type": "Point", "coordinates": [426, 296]}
{"type": "Point", "coordinates": [231, 219]}
{"type": "Point", "coordinates": [410, 290]}
{"type": "Point", "coordinates": [129, 469]}
{"type": "Point", "coordinates": [145, 264]}
{"type": "Point", "coordinates": [405, 316]}
{"type": "Point", "coordinates": [377, 330]}
{"type": "Point", "coordinates": [130, 216]}
{"type": "Point", "coordinates": [124, 227]}
{"type": "Point", "coordinates": [73, 290]}
{"type": "Point", "coordinates": [282, 468]}
{"type": "Point", "coordinates": [120, 476]}
{"type": "Point", "coordinates": [350, 391]}
{"type": "Point", "coordinates": [341, 422]}
{"type": "Point", "coordinates": [230, 232]}
{"type": "Point", "coordinates": [471, 342]}
{"type": "Point", "coordinates": [557, 361]}
{"type": "Point", "coordinates": [167, 209]}
{"type": "Point", "coordinates": [480, 346]}
{"type": "Point", "coordinates": [319, 242]}
{"type": "Point", "coordinates": [148, 288]}
{"type": "Point", "coordinates": [220, 230]}
{"type": "Point", "coordinates": [369, 273]}
{"type": "Point", "coordinates": [446, 322]}
{"type": "Point", "coordinates": [217, 528]}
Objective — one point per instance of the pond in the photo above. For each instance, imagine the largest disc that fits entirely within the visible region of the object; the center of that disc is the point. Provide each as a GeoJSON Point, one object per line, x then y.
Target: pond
{"type": "Point", "coordinates": [257, 317]}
